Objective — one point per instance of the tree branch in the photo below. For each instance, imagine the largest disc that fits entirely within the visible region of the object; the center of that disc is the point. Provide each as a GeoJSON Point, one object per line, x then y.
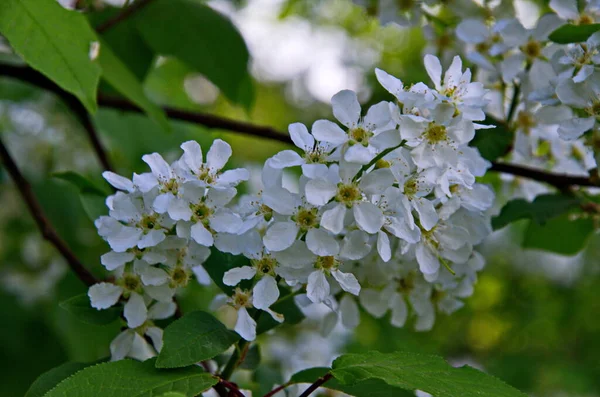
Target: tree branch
{"type": "Point", "coordinates": [42, 221]}
{"type": "Point", "coordinates": [33, 77]}
{"type": "Point", "coordinates": [124, 14]}
{"type": "Point", "coordinates": [277, 390]}
{"type": "Point", "coordinates": [318, 383]}
{"type": "Point", "coordinates": [217, 122]}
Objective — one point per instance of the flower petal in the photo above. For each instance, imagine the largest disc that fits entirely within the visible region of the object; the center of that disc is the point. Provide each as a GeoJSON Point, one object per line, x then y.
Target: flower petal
{"type": "Point", "coordinates": [234, 276]}
{"type": "Point", "coordinates": [346, 108]}
{"type": "Point", "coordinates": [328, 131]}
{"type": "Point", "coordinates": [135, 311]}
{"type": "Point", "coordinates": [368, 217]}
{"type": "Point", "coordinates": [265, 293]}
{"type": "Point", "coordinates": [321, 243]}
{"type": "Point", "coordinates": [201, 235]}
{"type": "Point", "coordinates": [347, 281]}
{"type": "Point", "coordinates": [104, 295]}
{"type": "Point", "coordinates": [218, 155]}
{"type": "Point", "coordinates": [301, 137]}
{"type": "Point", "coordinates": [318, 287]}
{"type": "Point", "coordinates": [280, 235]}
{"type": "Point", "coordinates": [245, 325]}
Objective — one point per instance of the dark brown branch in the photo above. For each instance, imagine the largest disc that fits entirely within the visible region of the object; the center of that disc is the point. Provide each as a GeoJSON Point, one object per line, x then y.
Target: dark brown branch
{"type": "Point", "coordinates": [558, 180]}
{"type": "Point", "coordinates": [233, 389]}
{"type": "Point", "coordinates": [33, 77]}
{"type": "Point", "coordinates": [42, 221]}
{"type": "Point", "coordinates": [318, 383]}
{"type": "Point", "coordinates": [124, 14]}
{"type": "Point", "coordinates": [211, 121]}
{"type": "Point", "coordinates": [277, 390]}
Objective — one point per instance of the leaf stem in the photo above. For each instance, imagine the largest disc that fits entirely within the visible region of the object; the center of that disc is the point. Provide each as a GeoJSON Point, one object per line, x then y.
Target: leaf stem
{"type": "Point", "coordinates": [318, 383]}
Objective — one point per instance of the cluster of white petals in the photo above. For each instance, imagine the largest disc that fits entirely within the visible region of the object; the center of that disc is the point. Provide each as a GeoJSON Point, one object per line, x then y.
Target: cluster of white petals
{"type": "Point", "coordinates": [385, 213]}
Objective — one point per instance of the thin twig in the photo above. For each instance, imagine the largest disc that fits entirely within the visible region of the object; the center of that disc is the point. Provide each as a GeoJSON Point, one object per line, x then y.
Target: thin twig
{"type": "Point", "coordinates": [318, 383]}
{"type": "Point", "coordinates": [232, 387]}
{"type": "Point", "coordinates": [42, 221]}
{"type": "Point", "coordinates": [126, 13]}
{"type": "Point", "coordinates": [277, 390]}
{"type": "Point", "coordinates": [212, 121]}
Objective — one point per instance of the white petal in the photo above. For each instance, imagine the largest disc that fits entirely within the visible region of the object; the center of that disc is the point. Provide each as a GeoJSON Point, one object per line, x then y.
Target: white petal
{"type": "Point", "coordinates": [265, 293]}
{"type": "Point", "coordinates": [399, 310]}
{"type": "Point", "coordinates": [313, 171]}
{"type": "Point", "coordinates": [224, 221]}
{"type": "Point", "coordinates": [118, 181]}
{"type": "Point", "coordinates": [333, 219]}
{"type": "Point", "coordinates": [154, 276]}
{"type": "Point", "coordinates": [378, 116]}
{"type": "Point", "coordinates": [234, 276]}
{"type": "Point", "coordinates": [280, 235]}
{"type": "Point", "coordinates": [200, 235]}
{"type": "Point", "coordinates": [156, 335]}
{"type": "Point", "coordinates": [327, 131]}
{"type": "Point", "coordinates": [373, 302]}
{"type": "Point", "coordinates": [572, 129]}
{"type": "Point", "coordinates": [179, 210]}
{"type": "Point", "coordinates": [356, 245]}
{"type": "Point", "coordinates": [346, 108]}
{"type": "Point", "coordinates": [427, 214]}
{"type": "Point", "coordinates": [145, 182]}
{"type": "Point", "coordinates": [113, 260]}
{"type": "Point", "coordinates": [202, 275]}
{"type": "Point", "coordinates": [321, 243]}
{"type": "Point", "coordinates": [368, 217]}
{"type": "Point", "coordinates": [376, 182]}
{"type": "Point", "coordinates": [359, 154]}
{"type": "Point", "coordinates": [162, 293]}
{"type": "Point", "coordinates": [434, 69]}
{"type": "Point", "coordinates": [125, 238]}
{"type": "Point", "coordinates": [160, 168]}
{"type": "Point", "coordinates": [245, 325]}
{"type": "Point", "coordinates": [192, 155]}
{"type": "Point", "coordinates": [318, 287]}
{"type": "Point", "coordinates": [383, 246]}
{"type": "Point", "coordinates": [121, 345]}
{"type": "Point", "coordinates": [319, 191]}
{"type": "Point", "coordinates": [161, 202]}
{"type": "Point", "coordinates": [135, 311]}
{"type": "Point", "coordinates": [233, 177]}
{"type": "Point", "coordinates": [141, 349]}
{"type": "Point", "coordinates": [218, 155]}
{"type": "Point", "coordinates": [104, 295]}
{"type": "Point", "coordinates": [428, 261]}
{"type": "Point", "coordinates": [301, 137]}
{"type": "Point", "coordinates": [349, 311]}
{"type": "Point", "coordinates": [162, 310]}
{"type": "Point", "coordinates": [151, 239]}
{"type": "Point", "coordinates": [347, 281]}
{"type": "Point", "coordinates": [284, 159]}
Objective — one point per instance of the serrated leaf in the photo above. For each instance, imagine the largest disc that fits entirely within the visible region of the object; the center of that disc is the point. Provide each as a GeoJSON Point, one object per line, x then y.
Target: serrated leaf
{"type": "Point", "coordinates": [129, 378]}
{"type": "Point", "coordinates": [573, 33]}
{"type": "Point", "coordinates": [495, 142]}
{"type": "Point", "coordinates": [80, 307]}
{"type": "Point", "coordinates": [414, 371]}
{"type": "Point", "coordinates": [560, 235]}
{"type": "Point", "coordinates": [53, 377]}
{"type": "Point", "coordinates": [202, 38]}
{"type": "Point", "coordinates": [540, 210]}
{"type": "Point", "coordinates": [368, 388]}
{"type": "Point", "coordinates": [80, 182]}
{"type": "Point", "coordinates": [55, 41]}
{"type": "Point", "coordinates": [195, 337]}
{"type": "Point", "coordinates": [116, 73]}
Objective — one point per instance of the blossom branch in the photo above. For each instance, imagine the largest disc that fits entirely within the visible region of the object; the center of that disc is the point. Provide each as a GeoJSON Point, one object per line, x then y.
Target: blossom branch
{"type": "Point", "coordinates": [277, 389]}
{"type": "Point", "coordinates": [318, 383]}
{"type": "Point", "coordinates": [126, 13]}
{"type": "Point", "coordinates": [223, 123]}
{"type": "Point", "coordinates": [48, 232]}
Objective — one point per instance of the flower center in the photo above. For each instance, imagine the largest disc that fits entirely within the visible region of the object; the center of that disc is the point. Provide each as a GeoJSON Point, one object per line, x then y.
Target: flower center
{"type": "Point", "coordinates": [406, 284]}
{"type": "Point", "coordinates": [171, 186]}
{"type": "Point", "coordinates": [585, 20]}
{"type": "Point", "coordinates": [315, 156]}
{"type": "Point", "coordinates": [306, 218]}
{"type": "Point", "coordinates": [348, 194]}
{"type": "Point", "coordinates": [326, 262]}
{"type": "Point", "coordinates": [201, 212]}
{"type": "Point", "coordinates": [436, 133]}
{"type": "Point", "coordinates": [411, 187]}
{"type": "Point", "coordinates": [359, 135]}
{"type": "Point", "coordinates": [241, 298]}
{"type": "Point", "coordinates": [265, 266]}
{"type": "Point", "coordinates": [205, 175]}
{"type": "Point", "coordinates": [532, 49]}
{"type": "Point", "coordinates": [179, 277]}
{"type": "Point", "coordinates": [131, 282]}
{"type": "Point", "coordinates": [526, 121]}
{"type": "Point", "coordinates": [149, 222]}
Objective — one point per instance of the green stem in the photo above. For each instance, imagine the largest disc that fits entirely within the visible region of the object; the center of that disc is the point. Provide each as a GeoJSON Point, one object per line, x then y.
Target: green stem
{"type": "Point", "coordinates": [376, 159]}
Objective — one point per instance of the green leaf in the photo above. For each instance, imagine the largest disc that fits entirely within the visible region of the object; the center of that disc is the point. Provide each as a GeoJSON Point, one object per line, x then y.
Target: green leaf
{"type": "Point", "coordinates": [412, 371]}
{"type": "Point", "coordinates": [124, 81]}
{"type": "Point", "coordinates": [204, 39]}
{"type": "Point", "coordinates": [560, 235]}
{"type": "Point", "coordinates": [543, 208]}
{"type": "Point", "coordinates": [495, 142]}
{"type": "Point", "coordinates": [80, 182]}
{"type": "Point", "coordinates": [172, 394]}
{"type": "Point", "coordinates": [367, 388]}
{"type": "Point", "coordinates": [50, 379]}
{"type": "Point", "coordinates": [80, 307]}
{"type": "Point", "coordinates": [573, 33]}
{"type": "Point", "coordinates": [55, 41]}
{"type": "Point", "coordinates": [129, 378]}
{"type": "Point", "coordinates": [195, 337]}
{"type": "Point", "coordinates": [92, 197]}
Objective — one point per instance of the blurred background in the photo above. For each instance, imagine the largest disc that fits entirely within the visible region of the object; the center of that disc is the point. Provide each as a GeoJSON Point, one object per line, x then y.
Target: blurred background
{"type": "Point", "coordinates": [533, 321]}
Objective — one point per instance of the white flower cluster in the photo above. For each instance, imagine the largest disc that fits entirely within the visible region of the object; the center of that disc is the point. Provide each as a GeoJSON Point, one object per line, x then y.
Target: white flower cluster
{"type": "Point", "coordinates": [387, 201]}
